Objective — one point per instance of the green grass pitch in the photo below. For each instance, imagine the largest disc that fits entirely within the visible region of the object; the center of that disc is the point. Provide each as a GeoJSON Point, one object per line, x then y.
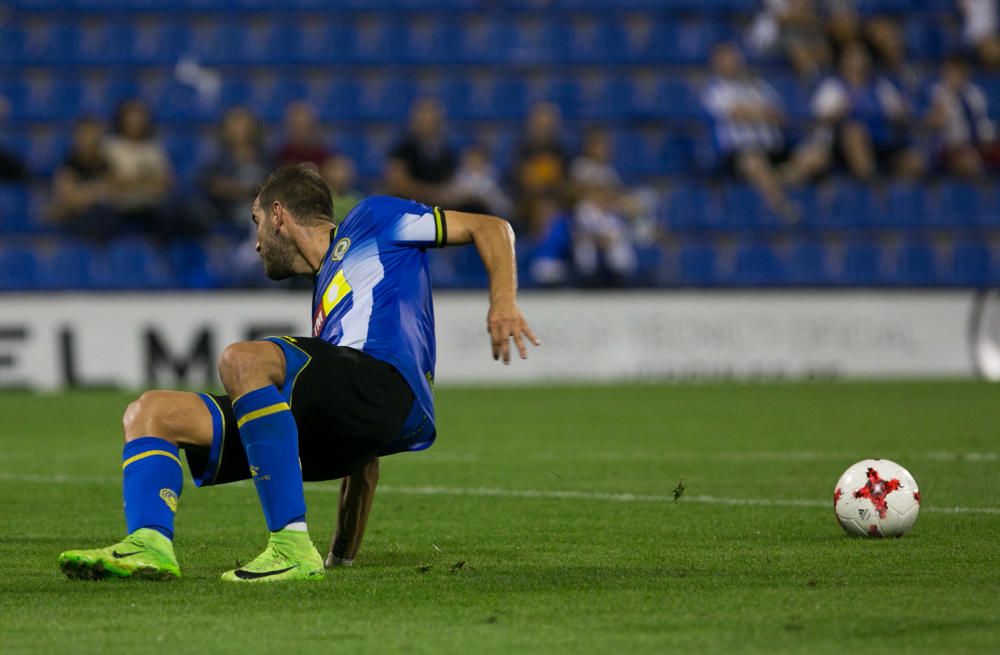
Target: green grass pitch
{"type": "Point", "coordinates": [517, 533]}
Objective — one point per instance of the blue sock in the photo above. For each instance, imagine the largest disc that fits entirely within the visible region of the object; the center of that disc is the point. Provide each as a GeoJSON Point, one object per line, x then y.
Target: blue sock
{"type": "Point", "coordinates": [271, 441]}
{"type": "Point", "coordinates": [151, 484]}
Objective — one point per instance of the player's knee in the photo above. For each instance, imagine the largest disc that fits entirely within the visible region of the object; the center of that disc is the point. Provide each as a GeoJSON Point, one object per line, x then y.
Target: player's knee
{"type": "Point", "coordinates": [151, 414]}
{"type": "Point", "coordinates": [249, 362]}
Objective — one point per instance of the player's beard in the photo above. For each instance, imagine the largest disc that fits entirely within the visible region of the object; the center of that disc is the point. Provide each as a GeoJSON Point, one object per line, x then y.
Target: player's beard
{"type": "Point", "coordinates": [278, 258]}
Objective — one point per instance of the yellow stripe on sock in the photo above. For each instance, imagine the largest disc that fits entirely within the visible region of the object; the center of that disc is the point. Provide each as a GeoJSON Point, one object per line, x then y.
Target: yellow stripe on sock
{"type": "Point", "coordinates": [150, 453]}
{"type": "Point", "coordinates": [261, 413]}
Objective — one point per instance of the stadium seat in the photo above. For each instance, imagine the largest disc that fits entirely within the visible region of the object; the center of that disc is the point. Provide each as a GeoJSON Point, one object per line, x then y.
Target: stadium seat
{"type": "Point", "coordinates": [136, 264]}
{"type": "Point", "coordinates": [14, 205]}
{"type": "Point", "coordinates": [73, 265]}
{"type": "Point", "coordinates": [19, 268]}
{"type": "Point", "coordinates": [915, 265]}
{"type": "Point", "coordinates": [970, 264]}
{"type": "Point", "coordinates": [807, 264]}
{"type": "Point", "coordinates": [188, 264]}
{"type": "Point", "coordinates": [905, 206]}
{"type": "Point", "coordinates": [861, 265]}
{"type": "Point", "coordinates": [849, 205]}
{"type": "Point", "coordinates": [691, 207]}
{"type": "Point", "coordinates": [957, 204]}
{"type": "Point", "coordinates": [755, 265]}
{"type": "Point", "coordinates": [698, 264]}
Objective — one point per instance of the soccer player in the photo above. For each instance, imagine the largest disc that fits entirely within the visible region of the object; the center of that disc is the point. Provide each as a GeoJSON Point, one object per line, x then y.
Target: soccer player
{"type": "Point", "coordinates": [309, 408]}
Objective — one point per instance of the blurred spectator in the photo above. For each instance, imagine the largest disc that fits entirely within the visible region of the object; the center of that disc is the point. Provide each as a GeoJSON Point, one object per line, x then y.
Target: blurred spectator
{"type": "Point", "coordinates": [82, 185]}
{"type": "Point", "coordinates": [843, 26]}
{"type": "Point", "coordinates": [341, 176]}
{"type": "Point", "coordinates": [240, 165]}
{"type": "Point", "coordinates": [304, 141]}
{"type": "Point", "coordinates": [959, 119]}
{"type": "Point", "coordinates": [11, 166]}
{"type": "Point", "coordinates": [551, 258]}
{"type": "Point", "coordinates": [476, 187]}
{"type": "Point", "coordinates": [794, 28]}
{"type": "Point", "coordinates": [603, 252]}
{"type": "Point", "coordinates": [863, 120]}
{"type": "Point", "coordinates": [595, 160]}
{"type": "Point", "coordinates": [885, 39]}
{"type": "Point", "coordinates": [541, 156]}
{"type": "Point", "coordinates": [140, 170]}
{"type": "Point", "coordinates": [423, 164]}
{"type": "Point", "coordinates": [981, 31]}
{"type": "Point", "coordinates": [746, 120]}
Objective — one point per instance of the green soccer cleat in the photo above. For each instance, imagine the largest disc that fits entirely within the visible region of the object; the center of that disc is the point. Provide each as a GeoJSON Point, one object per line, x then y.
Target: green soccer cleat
{"type": "Point", "coordinates": [290, 555]}
{"type": "Point", "coordinates": [143, 554]}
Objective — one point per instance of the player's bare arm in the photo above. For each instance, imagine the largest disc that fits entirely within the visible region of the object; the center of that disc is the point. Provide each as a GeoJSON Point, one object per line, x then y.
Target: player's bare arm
{"type": "Point", "coordinates": [494, 239]}
{"type": "Point", "coordinates": [357, 492]}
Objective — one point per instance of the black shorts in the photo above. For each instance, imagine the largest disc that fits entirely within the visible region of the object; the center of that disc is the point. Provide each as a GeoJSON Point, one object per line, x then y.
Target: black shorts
{"type": "Point", "coordinates": [348, 407]}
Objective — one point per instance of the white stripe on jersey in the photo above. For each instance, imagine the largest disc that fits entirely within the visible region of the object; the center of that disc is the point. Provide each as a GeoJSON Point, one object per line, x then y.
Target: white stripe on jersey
{"type": "Point", "coordinates": [363, 270]}
{"type": "Point", "coordinates": [415, 228]}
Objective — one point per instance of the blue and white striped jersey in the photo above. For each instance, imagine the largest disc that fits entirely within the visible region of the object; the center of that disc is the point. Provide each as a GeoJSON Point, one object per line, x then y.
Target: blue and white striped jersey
{"type": "Point", "coordinates": [373, 294]}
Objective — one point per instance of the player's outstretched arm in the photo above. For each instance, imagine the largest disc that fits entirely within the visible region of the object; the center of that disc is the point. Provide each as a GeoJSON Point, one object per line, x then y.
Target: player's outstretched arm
{"type": "Point", "coordinates": [494, 239]}
{"type": "Point", "coordinates": [357, 493]}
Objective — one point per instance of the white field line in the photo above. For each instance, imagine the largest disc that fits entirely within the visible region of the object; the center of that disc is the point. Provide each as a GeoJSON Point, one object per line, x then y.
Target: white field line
{"type": "Point", "coordinates": [723, 456]}
{"type": "Point", "coordinates": [491, 492]}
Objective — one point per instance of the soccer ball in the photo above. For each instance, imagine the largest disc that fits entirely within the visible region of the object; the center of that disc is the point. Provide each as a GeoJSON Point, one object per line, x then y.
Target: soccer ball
{"type": "Point", "coordinates": [876, 498]}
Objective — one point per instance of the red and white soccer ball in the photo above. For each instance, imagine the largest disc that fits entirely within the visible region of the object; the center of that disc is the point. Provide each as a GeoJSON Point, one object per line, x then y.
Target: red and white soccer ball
{"type": "Point", "coordinates": [876, 498]}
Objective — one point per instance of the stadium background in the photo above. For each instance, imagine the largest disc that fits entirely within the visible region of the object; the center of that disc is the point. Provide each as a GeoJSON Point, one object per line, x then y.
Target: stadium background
{"type": "Point", "coordinates": [633, 71]}
{"type": "Point", "coordinates": [545, 518]}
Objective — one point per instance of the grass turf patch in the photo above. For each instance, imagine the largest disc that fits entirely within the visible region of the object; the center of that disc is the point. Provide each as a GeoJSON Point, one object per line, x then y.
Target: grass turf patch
{"type": "Point", "coordinates": [453, 562]}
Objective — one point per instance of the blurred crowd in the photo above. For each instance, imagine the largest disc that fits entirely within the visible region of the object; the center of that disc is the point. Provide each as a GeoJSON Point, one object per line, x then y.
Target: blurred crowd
{"type": "Point", "coordinates": [116, 180]}
{"type": "Point", "coordinates": [872, 115]}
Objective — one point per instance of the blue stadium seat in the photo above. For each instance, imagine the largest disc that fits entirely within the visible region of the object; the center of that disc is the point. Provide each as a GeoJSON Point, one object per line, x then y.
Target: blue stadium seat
{"type": "Point", "coordinates": [161, 42]}
{"type": "Point", "coordinates": [698, 263]}
{"type": "Point", "coordinates": [692, 206]}
{"type": "Point", "coordinates": [676, 100]}
{"type": "Point", "coordinates": [135, 264]}
{"type": "Point", "coordinates": [905, 206]}
{"type": "Point", "coordinates": [850, 205]}
{"type": "Point", "coordinates": [915, 265]}
{"type": "Point", "coordinates": [794, 96]}
{"type": "Point", "coordinates": [745, 208]}
{"type": "Point", "coordinates": [320, 41]}
{"type": "Point", "coordinates": [650, 265]}
{"type": "Point", "coordinates": [808, 264]}
{"type": "Point", "coordinates": [19, 268]}
{"type": "Point", "coordinates": [861, 264]}
{"type": "Point", "coordinates": [957, 204]}
{"type": "Point", "coordinates": [427, 40]}
{"type": "Point", "coordinates": [188, 263]}
{"type": "Point", "coordinates": [386, 98]}
{"type": "Point", "coordinates": [14, 203]}
{"type": "Point", "coordinates": [756, 265]}
{"type": "Point", "coordinates": [73, 265]}
{"type": "Point", "coordinates": [971, 264]}
{"type": "Point", "coordinates": [639, 153]}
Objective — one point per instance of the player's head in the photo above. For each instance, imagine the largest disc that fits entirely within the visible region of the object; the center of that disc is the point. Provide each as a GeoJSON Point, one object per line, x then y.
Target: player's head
{"type": "Point", "coordinates": [290, 200]}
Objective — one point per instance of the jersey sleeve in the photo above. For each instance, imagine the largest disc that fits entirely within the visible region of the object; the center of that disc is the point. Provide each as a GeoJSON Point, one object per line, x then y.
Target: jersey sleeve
{"type": "Point", "coordinates": [415, 225]}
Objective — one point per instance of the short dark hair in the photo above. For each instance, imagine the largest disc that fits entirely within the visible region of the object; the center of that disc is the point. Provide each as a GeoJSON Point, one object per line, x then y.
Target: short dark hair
{"type": "Point", "coordinates": [126, 105]}
{"type": "Point", "coordinates": [301, 190]}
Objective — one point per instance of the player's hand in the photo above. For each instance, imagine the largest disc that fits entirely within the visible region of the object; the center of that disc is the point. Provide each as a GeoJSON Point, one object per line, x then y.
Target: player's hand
{"type": "Point", "coordinates": [505, 322]}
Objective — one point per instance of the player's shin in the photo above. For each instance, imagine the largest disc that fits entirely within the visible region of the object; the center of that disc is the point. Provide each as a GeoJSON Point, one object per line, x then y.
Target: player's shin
{"type": "Point", "coordinates": [270, 439]}
{"type": "Point", "coordinates": [151, 484]}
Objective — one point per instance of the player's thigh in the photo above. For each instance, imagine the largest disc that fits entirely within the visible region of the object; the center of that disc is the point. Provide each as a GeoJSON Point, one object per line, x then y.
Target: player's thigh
{"type": "Point", "coordinates": [180, 417]}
